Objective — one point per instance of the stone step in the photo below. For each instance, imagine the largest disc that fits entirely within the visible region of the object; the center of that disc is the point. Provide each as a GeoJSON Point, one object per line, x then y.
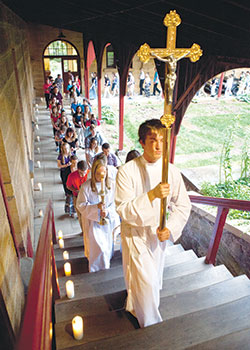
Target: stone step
{"type": "Point", "coordinates": [74, 253]}
{"type": "Point", "coordinates": [91, 278]}
{"type": "Point", "coordinates": [75, 241]}
{"type": "Point", "coordinates": [96, 327]}
{"type": "Point", "coordinates": [180, 257]}
{"type": "Point", "coordinates": [78, 266]}
{"type": "Point", "coordinates": [186, 268]}
{"type": "Point", "coordinates": [65, 309]}
{"type": "Point", "coordinates": [195, 280]}
{"type": "Point", "coordinates": [187, 331]}
{"type": "Point", "coordinates": [174, 249]}
{"type": "Point", "coordinates": [217, 294]}
{"type": "Point", "coordinates": [234, 341]}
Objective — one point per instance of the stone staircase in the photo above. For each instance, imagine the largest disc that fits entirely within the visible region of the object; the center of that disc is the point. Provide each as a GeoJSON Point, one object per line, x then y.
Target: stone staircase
{"type": "Point", "coordinates": [203, 307]}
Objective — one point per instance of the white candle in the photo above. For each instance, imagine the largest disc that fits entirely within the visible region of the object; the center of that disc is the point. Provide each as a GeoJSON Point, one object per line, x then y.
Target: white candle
{"type": "Point", "coordinates": [37, 104]}
{"type": "Point", "coordinates": [39, 185]}
{"type": "Point", "coordinates": [38, 138]}
{"type": "Point", "coordinates": [40, 213]}
{"type": "Point", "coordinates": [37, 126]}
{"type": "Point", "coordinates": [38, 150]}
{"type": "Point", "coordinates": [61, 243]}
{"type": "Point", "coordinates": [65, 255]}
{"type": "Point", "coordinates": [77, 326]}
{"type": "Point", "coordinates": [70, 291]}
{"type": "Point", "coordinates": [60, 234]}
{"type": "Point", "coordinates": [67, 269]}
{"type": "Point", "coordinates": [38, 164]}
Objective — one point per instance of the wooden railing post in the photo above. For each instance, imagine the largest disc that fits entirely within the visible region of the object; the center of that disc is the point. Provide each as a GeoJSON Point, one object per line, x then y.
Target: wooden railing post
{"type": "Point", "coordinates": [217, 234]}
{"type": "Point", "coordinates": [53, 227]}
{"type": "Point", "coordinates": [55, 285]}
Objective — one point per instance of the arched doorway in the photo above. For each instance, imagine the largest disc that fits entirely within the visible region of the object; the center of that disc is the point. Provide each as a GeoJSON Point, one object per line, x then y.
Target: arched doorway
{"type": "Point", "coordinates": [59, 57]}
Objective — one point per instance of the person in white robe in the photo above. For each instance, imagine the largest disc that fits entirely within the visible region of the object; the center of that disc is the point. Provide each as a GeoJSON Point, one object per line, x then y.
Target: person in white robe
{"type": "Point", "coordinates": [138, 194]}
{"type": "Point", "coordinates": [98, 239]}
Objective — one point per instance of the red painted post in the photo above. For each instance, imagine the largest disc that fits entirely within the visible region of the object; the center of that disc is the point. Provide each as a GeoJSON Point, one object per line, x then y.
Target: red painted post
{"type": "Point", "coordinates": [221, 83]}
{"type": "Point", "coordinates": [121, 120]}
{"type": "Point", "coordinates": [86, 81]}
{"type": "Point", "coordinates": [217, 234]}
{"type": "Point", "coordinates": [99, 97]}
{"type": "Point", "coordinates": [172, 146]}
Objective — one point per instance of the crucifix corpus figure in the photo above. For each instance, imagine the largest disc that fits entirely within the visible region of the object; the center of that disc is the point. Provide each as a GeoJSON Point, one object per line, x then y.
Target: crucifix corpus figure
{"type": "Point", "coordinates": [171, 62]}
{"type": "Point", "coordinates": [142, 195]}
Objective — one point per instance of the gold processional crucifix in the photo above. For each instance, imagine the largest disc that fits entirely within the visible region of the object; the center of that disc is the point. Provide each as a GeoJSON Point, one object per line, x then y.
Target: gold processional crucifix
{"type": "Point", "coordinates": [170, 55]}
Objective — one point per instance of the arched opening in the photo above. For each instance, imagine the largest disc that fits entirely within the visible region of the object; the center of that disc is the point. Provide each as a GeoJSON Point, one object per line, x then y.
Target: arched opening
{"type": "Point", "coordinates": [59, 57]}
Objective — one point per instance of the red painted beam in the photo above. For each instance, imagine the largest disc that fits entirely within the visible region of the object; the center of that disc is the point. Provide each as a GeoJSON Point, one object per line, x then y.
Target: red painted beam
{"type": "Point", "coordinates": [217, 234]}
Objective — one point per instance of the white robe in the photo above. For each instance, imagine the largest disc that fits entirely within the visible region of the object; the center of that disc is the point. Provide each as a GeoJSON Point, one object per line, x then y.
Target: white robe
{"type": "Point", "coordinates": [98, 239]}
{"type": "Point", "coordinates": [143, 254]}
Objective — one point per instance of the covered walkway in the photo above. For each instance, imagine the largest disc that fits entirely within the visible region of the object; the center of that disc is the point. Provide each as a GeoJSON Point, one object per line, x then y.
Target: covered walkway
{"type": "Point", "coordinates": [48, 175]}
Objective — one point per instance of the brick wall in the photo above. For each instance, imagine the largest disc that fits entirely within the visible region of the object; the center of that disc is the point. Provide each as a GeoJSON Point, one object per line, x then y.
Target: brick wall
{"type": "Point", "coordinates": [16, 148]}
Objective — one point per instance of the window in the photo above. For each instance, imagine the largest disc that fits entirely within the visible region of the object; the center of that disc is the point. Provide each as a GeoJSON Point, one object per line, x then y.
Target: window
{"type": "Point", "coordinates": [110, 57]}
{"type": "Point", "coordinates": [60, 48]}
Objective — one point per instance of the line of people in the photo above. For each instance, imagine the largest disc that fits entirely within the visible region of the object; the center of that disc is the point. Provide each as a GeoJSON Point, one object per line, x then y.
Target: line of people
{"type": "Point", "coordinates": [131, 197]}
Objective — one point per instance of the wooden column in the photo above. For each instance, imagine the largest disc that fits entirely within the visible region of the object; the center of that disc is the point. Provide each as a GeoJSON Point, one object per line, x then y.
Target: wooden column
{"type": "Point", "coordinates": [86, 81]}
{"type": "Point", "coordinates": [221, 83]}
{"type": "Point", "coordinates": [121, 120]}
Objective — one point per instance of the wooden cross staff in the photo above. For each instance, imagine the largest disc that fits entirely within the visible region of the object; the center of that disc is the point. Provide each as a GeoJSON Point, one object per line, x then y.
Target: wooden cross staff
{"type": "Point", "coordinates": [170, 55]}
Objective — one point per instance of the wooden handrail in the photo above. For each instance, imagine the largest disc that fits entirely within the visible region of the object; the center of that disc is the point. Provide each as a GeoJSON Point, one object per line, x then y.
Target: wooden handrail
{"type": "Point", "coordinates": [223, 205]}
{"type": "Point", "coordinates": [36, 330]}
{"type": "Point", "coordinates": [221, 202]}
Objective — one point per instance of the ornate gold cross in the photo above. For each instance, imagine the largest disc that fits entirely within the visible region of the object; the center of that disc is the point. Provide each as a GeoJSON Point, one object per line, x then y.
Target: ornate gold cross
{"type": "Point", "coordinates": [169, 55]}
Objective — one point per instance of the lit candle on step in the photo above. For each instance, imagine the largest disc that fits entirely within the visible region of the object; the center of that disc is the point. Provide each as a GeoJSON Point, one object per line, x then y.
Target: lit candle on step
{"type": "Point", "coordinates": [77, 326]}
{"type": "Point", "coordinates": [70, 291]}
{"type": "Point", "coordinates": [39, 185]}
{"type": "Point", "coordinates": [61, 243]}
{"type": "Point", "coordinates": [37, 126]}
{"type": "Point", "coordinates": [38, 164]}
{"type": "Point", "coordinates": [38, 150]}
{"type": "Point", "coordinates": [40, 213]}
{"type": "Point", "coordinates": [60, 234]}
{"type": "Point", "coordinates": [38, 138]}
{"type": "Point", "coordinates": [67, 269]}
{"type": "Point", "coordinates": [65, 255]}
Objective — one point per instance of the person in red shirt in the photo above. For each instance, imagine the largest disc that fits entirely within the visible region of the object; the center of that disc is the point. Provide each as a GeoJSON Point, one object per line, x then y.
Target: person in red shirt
{"type": "Point", "coordinates": [74, 182]}
{"type": "Point", "coordinates": [46, 89]}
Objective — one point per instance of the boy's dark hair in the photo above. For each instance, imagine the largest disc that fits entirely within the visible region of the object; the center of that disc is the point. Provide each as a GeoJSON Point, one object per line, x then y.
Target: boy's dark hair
{"type": "Point", "coordinates": [82, 165]}
{"type": "Point", "coordinates": [105, 146]}
{"type": "Point", "coordinates": [74, 157]}
{"type": "Point", "coordinates": [147, 127]}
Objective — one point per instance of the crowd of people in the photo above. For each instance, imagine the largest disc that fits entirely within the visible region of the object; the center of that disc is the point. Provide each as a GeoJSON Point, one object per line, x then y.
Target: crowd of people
{"type": "Point", "coordinates": [232, 85]}
{"type": "Point", "coordinates": [111, 88]}
{"type": "Point", "coordinates": [109, 197]}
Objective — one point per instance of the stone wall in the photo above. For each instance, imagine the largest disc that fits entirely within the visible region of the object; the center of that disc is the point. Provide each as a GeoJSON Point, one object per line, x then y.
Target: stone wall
{"type": "Point", "coordinates": [39, 37]}
{"type": "Point", "coordinates": [234, 250]}
{"type": "Point", "coordinates": [16, 149]}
